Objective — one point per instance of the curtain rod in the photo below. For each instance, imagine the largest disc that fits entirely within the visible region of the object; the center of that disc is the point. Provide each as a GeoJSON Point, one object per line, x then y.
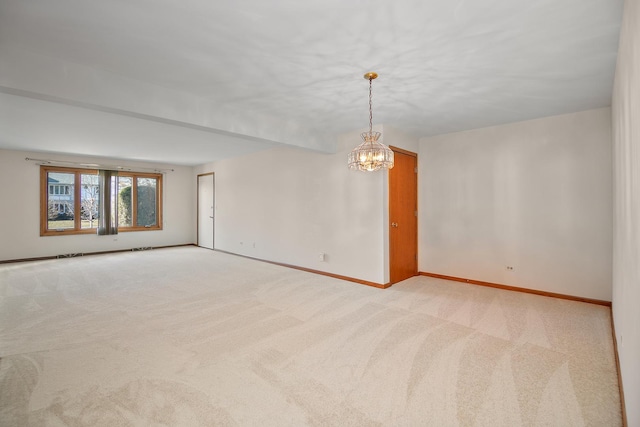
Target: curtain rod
{"type": "Point", "coordinates": [95, 165]}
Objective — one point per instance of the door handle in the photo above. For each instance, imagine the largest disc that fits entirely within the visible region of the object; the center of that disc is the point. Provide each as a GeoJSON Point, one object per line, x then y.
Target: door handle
{"type": "Point", "coordinates": [394, 224]}
{"type": "Point", "coordinates": [211, 217]}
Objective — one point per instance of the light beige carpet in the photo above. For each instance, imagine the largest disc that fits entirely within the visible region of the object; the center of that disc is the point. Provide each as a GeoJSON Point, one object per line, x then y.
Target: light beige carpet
{"type": "Point", "coordinates": [189, 337]}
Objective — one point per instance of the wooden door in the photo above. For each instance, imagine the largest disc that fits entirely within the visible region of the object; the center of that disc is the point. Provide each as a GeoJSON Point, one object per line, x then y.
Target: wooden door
{"type": "Point", "coordinates": [205, 210]}
{"type": "Point", "coordinates": [403, 216]}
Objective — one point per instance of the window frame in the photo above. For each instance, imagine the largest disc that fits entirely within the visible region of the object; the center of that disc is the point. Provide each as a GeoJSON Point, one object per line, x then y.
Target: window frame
{"type": "Point", "coordinates": [44, 200]}
{"type": "Point", "coordinates": [77, 202]}
{"type": "Point", "coordinates": [134, 201]}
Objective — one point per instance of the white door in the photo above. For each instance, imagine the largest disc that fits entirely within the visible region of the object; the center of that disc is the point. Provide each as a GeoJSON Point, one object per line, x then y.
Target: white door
{"type": "Point", "coordinates": [205, 210]}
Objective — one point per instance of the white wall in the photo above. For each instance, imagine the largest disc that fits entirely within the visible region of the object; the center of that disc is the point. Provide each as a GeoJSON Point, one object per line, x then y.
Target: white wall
{"type": "Point", "coordinates": [397, 138]}
{"type": "Point", "coordinates": [295, 204]}
{"type": "Point", "coordinates": [533, 195]}
{"type": "Point", "coordinates": [626, 220]}
{"type": "Point", "coordinates": [20, 212]}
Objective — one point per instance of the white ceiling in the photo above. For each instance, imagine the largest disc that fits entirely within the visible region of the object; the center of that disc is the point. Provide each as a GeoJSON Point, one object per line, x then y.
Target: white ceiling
{"type": "Point", "coordinates": [295, 66]}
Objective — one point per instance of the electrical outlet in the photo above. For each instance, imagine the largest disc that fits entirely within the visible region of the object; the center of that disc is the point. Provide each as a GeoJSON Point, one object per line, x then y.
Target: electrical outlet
{"type": "Point", "coordinates": [321, 257]}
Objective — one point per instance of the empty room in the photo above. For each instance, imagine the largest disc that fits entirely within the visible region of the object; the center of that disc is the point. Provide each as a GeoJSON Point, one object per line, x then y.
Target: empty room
{"type": "Point", "coordinates": [320, 213]}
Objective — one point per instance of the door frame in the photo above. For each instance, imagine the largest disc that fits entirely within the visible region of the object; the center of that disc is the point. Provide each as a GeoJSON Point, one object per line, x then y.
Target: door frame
{"type": "Point", "coordinates": [415, 155]}
{"type": "Point", "coordinates": [198, 206]}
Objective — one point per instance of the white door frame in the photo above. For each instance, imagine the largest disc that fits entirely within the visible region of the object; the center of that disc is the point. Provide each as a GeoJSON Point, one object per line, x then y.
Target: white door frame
{"type": "Point", "coordinates": [212, 215]}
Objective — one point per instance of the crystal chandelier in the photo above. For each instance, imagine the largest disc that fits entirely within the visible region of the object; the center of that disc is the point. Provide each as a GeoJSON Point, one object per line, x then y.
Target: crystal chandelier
{"type": "Point", "coordinates": [370, 155]}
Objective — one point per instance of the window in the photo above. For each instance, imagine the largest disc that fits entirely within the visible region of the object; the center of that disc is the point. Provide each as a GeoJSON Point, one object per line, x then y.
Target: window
{"type": "Point", "coordinates": [60, 189]}
{"type": "Point", "coordinates": [70, 201]}
{"type": "Point", "coordinates": [89, 201]}
{"type": "Point", "coordinates": [139, 206]}
{"type": "Point", "coordinates": [59, 206]}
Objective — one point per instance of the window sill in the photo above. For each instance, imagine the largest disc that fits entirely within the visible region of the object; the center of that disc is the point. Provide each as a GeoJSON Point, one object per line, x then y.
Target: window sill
{"type": "Point", "coordinates": [95, 231]}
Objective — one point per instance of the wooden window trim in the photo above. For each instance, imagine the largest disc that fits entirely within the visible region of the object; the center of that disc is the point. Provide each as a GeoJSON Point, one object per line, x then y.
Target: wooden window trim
{"type": "Point", "coordinates": [134, 202]}
{"type": "Point", "coordinates": [77, 218]}
{"type": "Point", "coordinates": [44, 206]}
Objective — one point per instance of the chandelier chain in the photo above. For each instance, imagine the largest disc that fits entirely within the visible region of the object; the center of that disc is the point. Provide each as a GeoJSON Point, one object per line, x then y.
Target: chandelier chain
{"type": "Point", "coordinates": [370, 109]}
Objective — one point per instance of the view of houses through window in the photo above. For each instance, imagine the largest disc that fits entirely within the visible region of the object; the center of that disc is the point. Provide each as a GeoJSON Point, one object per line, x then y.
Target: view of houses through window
{"type": "Point", "coordinates": [71, 201]}
{"type": "Point", "coordinates": [61, 206]}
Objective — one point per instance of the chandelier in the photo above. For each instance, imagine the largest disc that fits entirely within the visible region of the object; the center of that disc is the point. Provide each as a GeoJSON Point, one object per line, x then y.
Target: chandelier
{"type": "Point", "coordinates": [370, 155]}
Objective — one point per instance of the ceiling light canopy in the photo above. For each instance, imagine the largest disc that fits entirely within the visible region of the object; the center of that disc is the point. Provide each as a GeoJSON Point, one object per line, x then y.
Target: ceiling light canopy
{"type": "Point", "coordinates": [371, 155]}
